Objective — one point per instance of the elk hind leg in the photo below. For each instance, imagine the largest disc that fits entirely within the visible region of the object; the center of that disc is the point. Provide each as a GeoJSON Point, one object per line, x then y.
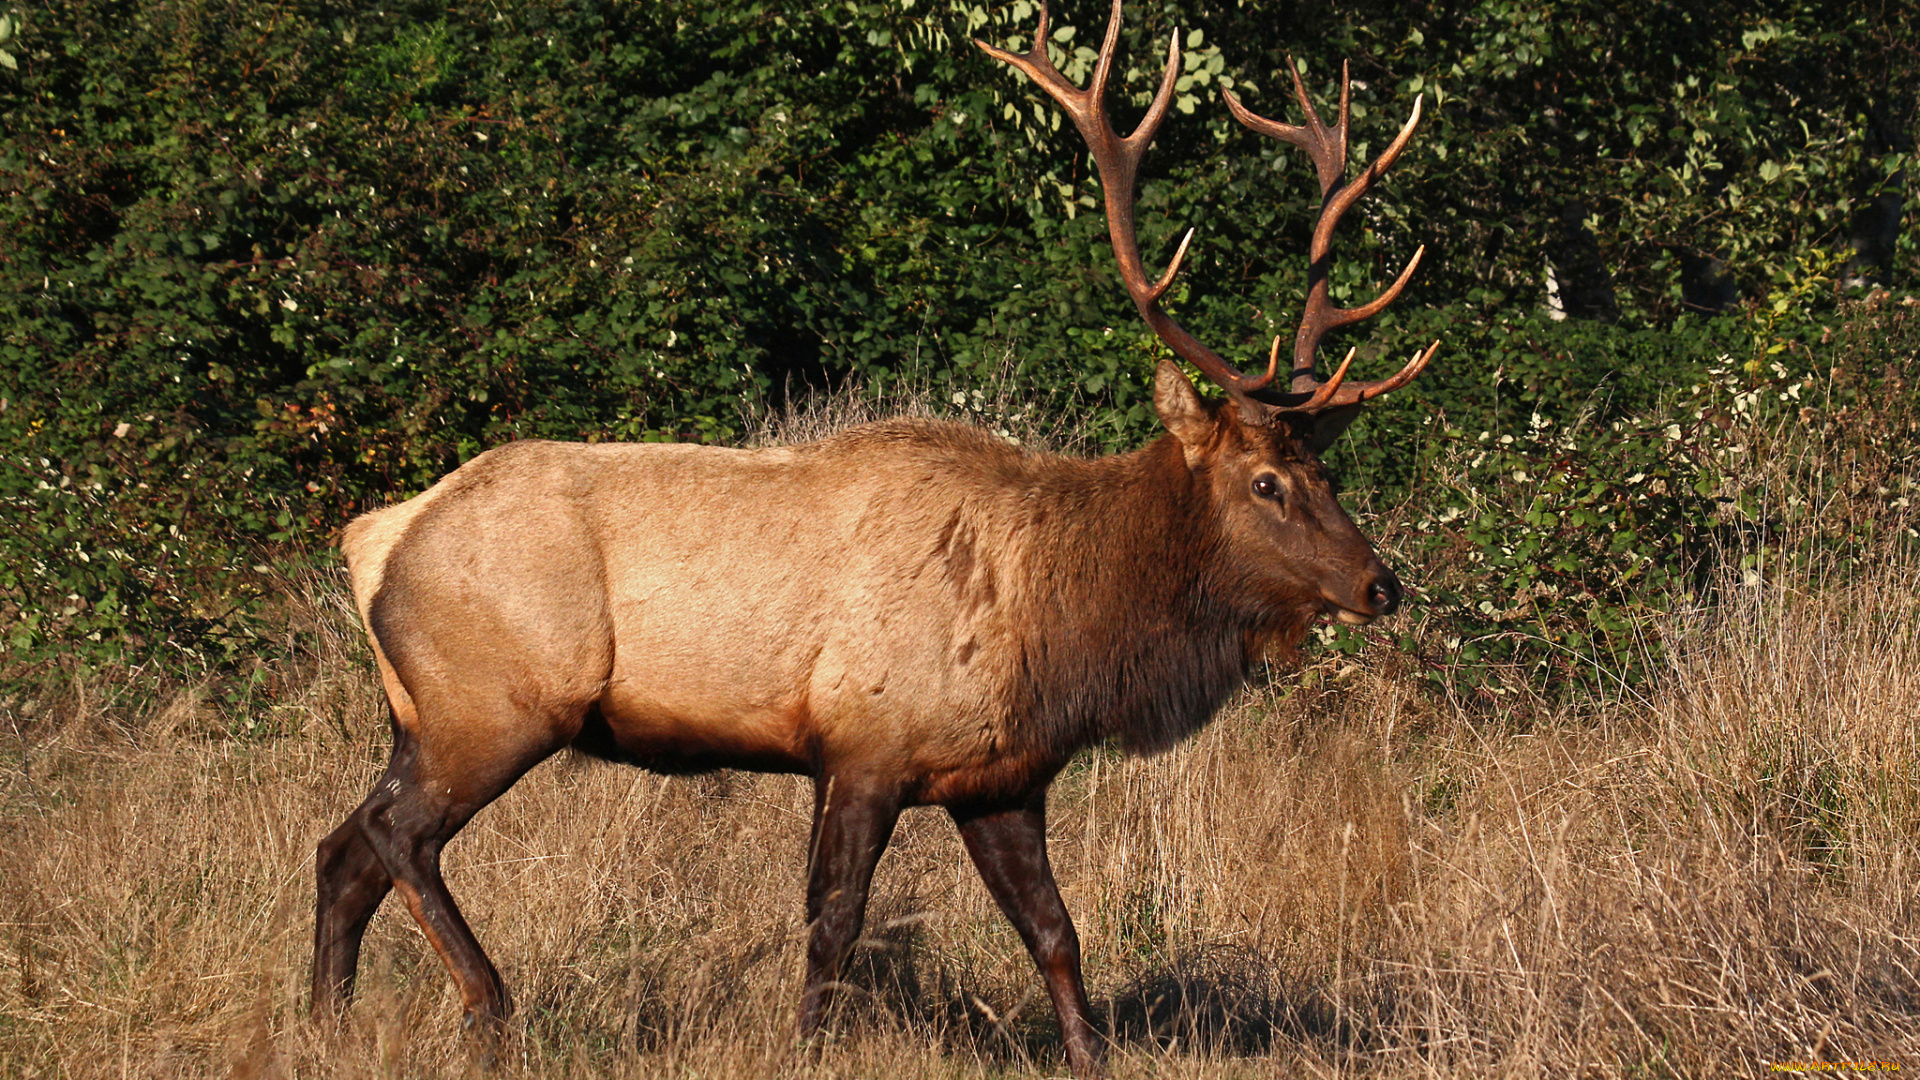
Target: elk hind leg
{"type": "Point", "coordinates": [352, 881]}
{"type": "Point", "coordinates": [407, 822]}
{"type": "Point", "coordinates": [426, 796]}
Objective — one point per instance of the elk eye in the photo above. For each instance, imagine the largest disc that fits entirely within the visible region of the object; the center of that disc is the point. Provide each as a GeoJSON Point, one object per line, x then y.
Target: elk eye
{"type": "Point", "coordinates": [1266, 487]}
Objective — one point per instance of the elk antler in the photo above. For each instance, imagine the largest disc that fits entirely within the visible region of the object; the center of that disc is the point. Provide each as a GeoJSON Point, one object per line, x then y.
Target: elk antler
{"type": "Point", "coordinates": [1328, 147]}
{"type": "Point", "coordinates": [1118, 161]}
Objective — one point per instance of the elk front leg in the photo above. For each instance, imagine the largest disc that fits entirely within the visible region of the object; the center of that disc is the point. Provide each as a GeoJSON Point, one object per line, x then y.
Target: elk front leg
{"type": "Point", "coordinates": [851, 827]}
{"type": "Point", "coordinates": [1009, 847]}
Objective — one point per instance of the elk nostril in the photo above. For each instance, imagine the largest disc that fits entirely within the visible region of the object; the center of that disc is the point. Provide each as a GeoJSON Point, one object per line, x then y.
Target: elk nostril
{"type": "Point", "coordinates": [1384, 595]}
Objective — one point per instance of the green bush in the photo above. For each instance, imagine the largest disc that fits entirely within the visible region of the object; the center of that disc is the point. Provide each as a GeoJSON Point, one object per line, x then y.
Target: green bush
{"type": "Point", "coordinates": [1552, 546]}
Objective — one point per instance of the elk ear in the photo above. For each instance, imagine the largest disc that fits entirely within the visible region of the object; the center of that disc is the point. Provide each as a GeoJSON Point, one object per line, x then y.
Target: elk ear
{"type": "Point", "coordinates": [1180, 407]}
{"type": "Point", "coordinates": [1327, 426]}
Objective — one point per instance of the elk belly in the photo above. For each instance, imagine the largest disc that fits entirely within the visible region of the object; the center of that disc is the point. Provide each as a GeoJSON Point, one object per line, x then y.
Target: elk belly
{"type": "Point", "coordinates": [640, 729]}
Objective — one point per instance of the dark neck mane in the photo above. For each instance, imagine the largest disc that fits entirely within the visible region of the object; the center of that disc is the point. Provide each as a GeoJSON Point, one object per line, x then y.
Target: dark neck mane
{"type": "Point", "coordinates": [1128, 636]}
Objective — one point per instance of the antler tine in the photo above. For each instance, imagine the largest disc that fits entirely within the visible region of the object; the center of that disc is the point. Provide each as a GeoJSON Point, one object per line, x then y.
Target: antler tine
{"type": "Point", "coordinates": [1414, 367]}
{"type": "Point", "coordinates": [1328, 146]}
{"type": "Point", "coordinates": [1118, 160]}
{"type": "Point", "coordinates": [1173, 269]}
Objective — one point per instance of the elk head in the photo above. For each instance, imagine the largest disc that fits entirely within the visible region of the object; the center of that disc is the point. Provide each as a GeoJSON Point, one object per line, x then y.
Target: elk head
{"type": "Point", "coordinates": [1285, 537]}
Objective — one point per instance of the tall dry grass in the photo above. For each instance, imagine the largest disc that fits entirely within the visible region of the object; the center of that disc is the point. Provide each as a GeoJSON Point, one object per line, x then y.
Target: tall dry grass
{"type": "Point", "coordinates": [1347, 874]}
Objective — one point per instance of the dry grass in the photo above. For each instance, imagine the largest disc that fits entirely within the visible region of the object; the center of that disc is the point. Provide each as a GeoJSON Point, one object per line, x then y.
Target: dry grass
{"type": "Point", "coordinates": [1345, 875]}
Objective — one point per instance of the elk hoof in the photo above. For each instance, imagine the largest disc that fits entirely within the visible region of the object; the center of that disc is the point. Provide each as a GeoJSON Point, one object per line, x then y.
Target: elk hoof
{"type": "Point", "coordinates": [486, 1034]}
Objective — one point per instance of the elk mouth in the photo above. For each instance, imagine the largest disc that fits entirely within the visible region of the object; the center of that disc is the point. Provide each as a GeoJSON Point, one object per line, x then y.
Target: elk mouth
{"type": "Point", "coordinates": [1347, 615]}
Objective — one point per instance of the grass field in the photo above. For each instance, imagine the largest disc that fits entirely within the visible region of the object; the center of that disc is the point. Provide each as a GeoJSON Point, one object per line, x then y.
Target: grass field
{"type": "Point", "coordinates": [1349, 874]}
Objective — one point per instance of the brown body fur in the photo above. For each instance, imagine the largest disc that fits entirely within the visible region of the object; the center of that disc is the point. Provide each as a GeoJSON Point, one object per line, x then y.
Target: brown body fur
{"type": "Point", "coordinates": [922, 599]}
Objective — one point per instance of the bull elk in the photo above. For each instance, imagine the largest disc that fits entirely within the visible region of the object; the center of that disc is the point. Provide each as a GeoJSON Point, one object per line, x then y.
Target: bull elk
{"type": "Point", "coordinates": [911, 613]}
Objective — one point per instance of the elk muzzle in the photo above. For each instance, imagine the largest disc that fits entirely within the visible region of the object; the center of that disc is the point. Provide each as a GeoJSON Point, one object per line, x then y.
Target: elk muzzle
{"type": "Point", "coordinates": [1379, 594]}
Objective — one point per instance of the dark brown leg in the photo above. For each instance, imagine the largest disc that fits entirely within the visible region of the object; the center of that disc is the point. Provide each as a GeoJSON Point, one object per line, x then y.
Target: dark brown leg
{"type": "Point", "coordinates": [1009, 847]}
{"type": "Point", "coordinates": [406, 825]}
{"type": "Point", "coordinates": [352, 882]}
{"type": "Point", "coordinates": [393, 841]}
{"type": "Point", "coordinates": [851, 828]}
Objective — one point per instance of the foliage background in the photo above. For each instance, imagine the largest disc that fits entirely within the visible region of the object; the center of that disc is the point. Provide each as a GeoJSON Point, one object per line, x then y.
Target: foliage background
{"type": "Point", "coordinates": [266, 264]}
